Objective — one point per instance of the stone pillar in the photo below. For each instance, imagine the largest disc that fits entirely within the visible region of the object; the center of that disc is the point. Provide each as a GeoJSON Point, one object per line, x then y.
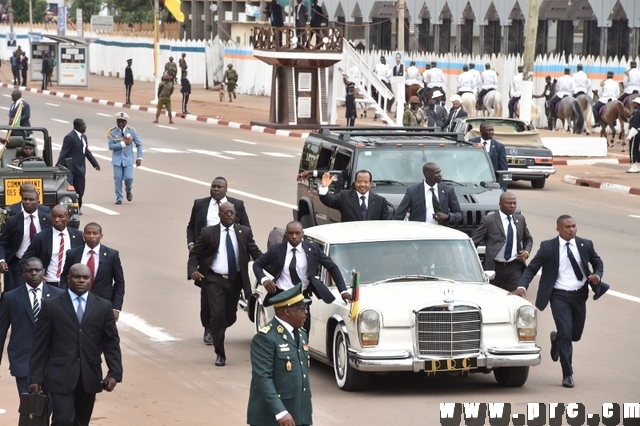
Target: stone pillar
{"type": "Point", "coordinates": [504, 45]}
{"type": "Point", "coordinates": [436, 38]}
{"type": "Point", "coordinates": [604, 36]}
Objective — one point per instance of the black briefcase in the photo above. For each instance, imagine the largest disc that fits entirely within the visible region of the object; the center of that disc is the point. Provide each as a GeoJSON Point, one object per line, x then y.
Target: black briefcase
{"type": "Point", "coordinates": [35, 409]}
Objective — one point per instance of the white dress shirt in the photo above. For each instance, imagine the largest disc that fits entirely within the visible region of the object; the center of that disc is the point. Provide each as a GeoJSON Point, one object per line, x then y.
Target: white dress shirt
{"type": "Point", "coordinates": [412, 76]}
{"type": "Point", "coordinates": [84, 144]}
{"type": "Point", "coordinates": [631, 81]}
{"type": "Point", "coordinates": [26, 235]}
{"type": "Point", "coordinates": [39, 290]}
{"type": "Point", "coordinates": [220, 264]}
{"type": "Point", "coordinates": [567, 279]}
{"type": "Point", "coordinates": [436, 78]}
{"type": "Point", "coordinates": [284, 280]}
{"type": "Point", "coordinates": [466, 82]}
{"type": "Point", "coordinates": [476, 76]}
{"type": "Point", "coordinates": [500, 256]}
{"type": "Point", "coordinates": [489, 79]}
{"type": "Point", "coordinates": [213, 217]}
{"type": "Point", "coordinates": [428, 200]}
{"type": "Point", "coordinates": [564, 86]}
{"type": "Point", "coordinates": [96, 257]}
{"type": "Point", "coordinates": [383, 72]}
{"type": "Point", "coordinates": [516, 86]}
{"type": "Point", "coordinates": [486, 144]}
{"type": "Point", "coordinates": [581, 82]}
{"type": "Point", "coordinates": [608, 91]}
{"type": "Point", "coordinates": [50, 274]}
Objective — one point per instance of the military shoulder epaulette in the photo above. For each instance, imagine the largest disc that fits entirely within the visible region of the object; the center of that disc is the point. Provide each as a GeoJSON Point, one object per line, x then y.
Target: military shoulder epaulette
{"type": "Point", "coordinates": [265, 329]}
{"type": "Point", "coordinates": [130, 128]}
{"type": "Point", "coordinates": [110, 130]}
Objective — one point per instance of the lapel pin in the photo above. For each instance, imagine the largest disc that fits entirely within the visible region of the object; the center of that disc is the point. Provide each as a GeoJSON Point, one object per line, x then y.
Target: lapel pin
{"type": "Point", "coordinates": [516, 220]}
{"type": "Point", "coordinates": [239, 231]}
{"type": "Point", "coordinates": [104, 254]}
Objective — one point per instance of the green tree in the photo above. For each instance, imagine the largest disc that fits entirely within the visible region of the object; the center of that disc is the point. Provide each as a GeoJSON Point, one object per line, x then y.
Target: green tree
{"type": "Point", "coordinates": [132, 11]}
{"type": "Point", "coordinates": [89, 8]}
{"type": "Point", "coordinates": [21, 10]}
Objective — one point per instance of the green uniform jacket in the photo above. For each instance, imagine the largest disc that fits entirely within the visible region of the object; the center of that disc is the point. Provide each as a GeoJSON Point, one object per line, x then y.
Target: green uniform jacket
{"type": "Point", "coordinates": [165, 89]}
{"type": "Point", "coordinates": [279, 377]}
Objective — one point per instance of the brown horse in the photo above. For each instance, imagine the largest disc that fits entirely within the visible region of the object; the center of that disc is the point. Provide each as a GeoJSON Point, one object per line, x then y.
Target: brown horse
{"type": "Point", "coordinates": [612, 112]}
{"type": "Point", "coordinates": [628, 106]}
{"type": "Point", "coordinates": [412, 90]}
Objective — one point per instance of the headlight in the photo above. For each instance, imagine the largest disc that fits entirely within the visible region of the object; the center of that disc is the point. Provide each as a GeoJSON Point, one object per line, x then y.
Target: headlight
{"type": "Point", "coordinates": [526, 323]}
{"type": "Point", "coordinates": [66, 200]}
{"type": "Point", "coordinates": [369, 328]}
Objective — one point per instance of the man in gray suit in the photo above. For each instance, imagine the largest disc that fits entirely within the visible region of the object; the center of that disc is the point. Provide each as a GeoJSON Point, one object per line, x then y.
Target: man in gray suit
{"type": "Point", "coordinates": [508, 243]}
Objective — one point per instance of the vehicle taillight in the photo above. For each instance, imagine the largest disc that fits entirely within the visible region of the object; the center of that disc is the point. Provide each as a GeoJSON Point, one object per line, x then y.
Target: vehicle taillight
{"type": "Point", "coordinates": [544, 160]}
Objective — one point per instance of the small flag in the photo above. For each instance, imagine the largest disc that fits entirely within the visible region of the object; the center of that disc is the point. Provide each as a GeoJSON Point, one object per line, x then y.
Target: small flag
{"type": "Point", "coordinates": [17, 118]}
{"type": "Point", "coordinates": [174, 8]}
{"type": "Point", "coordinates": [355, 295]}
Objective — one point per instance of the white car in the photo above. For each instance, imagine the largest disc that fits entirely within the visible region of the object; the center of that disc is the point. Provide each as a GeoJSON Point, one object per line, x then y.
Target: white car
{"type": "Point", "coordinates": [425, 305]}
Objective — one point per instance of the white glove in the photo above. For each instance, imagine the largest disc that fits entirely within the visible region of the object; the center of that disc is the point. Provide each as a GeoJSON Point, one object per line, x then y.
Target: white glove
{"type": "Point", "coordinates": [632, 133]}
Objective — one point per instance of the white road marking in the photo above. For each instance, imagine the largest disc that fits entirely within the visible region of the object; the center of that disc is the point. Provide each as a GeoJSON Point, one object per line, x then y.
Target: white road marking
{"type": "Point", "coordinates": [278, 154]}
{"type": "Point", "coordinates": [624, 296]}
{"type": "Point", "coordinates": [167, 150]}
{"type": "Point", "coordinates": [103, 114]}
{"type": "Point", "coordinates": [50, 104]}
{"type": "Point", "coordinates": [3, 411]}
{"type": "Point", "coordinates": [167, 127]}
{"type": "Point", "coordinates": [137, 323]}
{"type": "Point", "coordinates": [211, 153]}
{"type": "Point", "coordinates": [6, 96]}
{"type": "Point", "coordinates": [247, 142]}
{"type": "Point", "coordinates": [5, 108]}
{"type": "Point", "coordinates": [635, 216]}
{"type": "Point", "coordinates": [60, 121]}
{"type": "Point", "coordinates": [101, 209]}
{"type": "Point", "coordinates": [208, 184]}
{"type": "Point", "coordinates": [240, 153]}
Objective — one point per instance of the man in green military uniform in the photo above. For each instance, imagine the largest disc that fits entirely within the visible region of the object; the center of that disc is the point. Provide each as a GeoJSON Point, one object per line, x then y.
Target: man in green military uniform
{"type": "Point", "coordinates": [548, 92]}
{"type": "Point", "coordinates": [27, 151]}
{"type": "Point", "coordinates": [182, 63]}
{"type": "Point", "coordinates": [165, 90]}
{"type": "Point", "coordinates": [280, 394]}
{"type": "Point", "coordinates": [230, 77]}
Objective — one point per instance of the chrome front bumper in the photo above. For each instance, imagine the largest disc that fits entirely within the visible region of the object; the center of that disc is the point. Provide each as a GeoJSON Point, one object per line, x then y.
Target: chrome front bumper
{"type": "Point", "coordinates": [389, 361]}
{"type": "Point", "coordinates": [532, 171]}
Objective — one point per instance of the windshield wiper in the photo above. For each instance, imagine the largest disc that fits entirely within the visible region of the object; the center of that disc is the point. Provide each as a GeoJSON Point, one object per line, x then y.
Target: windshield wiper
{"type": "Point", "coordinates": [388, 182]}
{"type": "Point", "coordinates": [452, 181]}
{"type": "Point", "coordinates": [415, 277]}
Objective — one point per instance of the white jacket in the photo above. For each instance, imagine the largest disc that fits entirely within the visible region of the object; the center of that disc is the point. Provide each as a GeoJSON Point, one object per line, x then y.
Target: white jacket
{"type": "Point", "coordinates": [632, 81]}
{"type": "Point", "coordinates": [608, 91]}
{"type": "Point", "coordinates": [466, 83]}
{"type": "Point", "coordinates": [489, 79]}
{"type": "Point", "coordinates": [581, 82]}
{"type": "Point", "coordinates": [412, 76]}
{"type": "Point", "coordinates": [516, 85]}
{"type": "Point", "coordinates": [476, 76]}
{"type": "Point", "coordinates": [564, 86]}
{"type": "Point", "coordinates": [436, 78]}
{"type": "Point", "coordinates": [383, 72]}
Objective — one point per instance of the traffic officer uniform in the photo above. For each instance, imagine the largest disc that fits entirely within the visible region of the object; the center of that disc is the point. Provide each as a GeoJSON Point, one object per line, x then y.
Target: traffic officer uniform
{"type": "Point", "coordinates": [608, 91]}
{"type": "Point", "coordinates": [516, 91]}
{"type": "Point", "coordinates": [581, 82]}
{"type": "Point", "coordinates": [564, 87]}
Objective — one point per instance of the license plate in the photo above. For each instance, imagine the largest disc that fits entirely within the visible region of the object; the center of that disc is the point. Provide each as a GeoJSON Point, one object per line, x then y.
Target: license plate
{"type": "Point", "coordinates": [12, 189]}
{"type": "Point", "coordinates": [516, 161]}
{"type": "Point", "coordinates": [451, 364]}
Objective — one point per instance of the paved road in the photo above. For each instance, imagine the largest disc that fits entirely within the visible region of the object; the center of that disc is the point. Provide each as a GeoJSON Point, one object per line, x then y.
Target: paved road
{"type": "Point", "coordinates": [169, 374]}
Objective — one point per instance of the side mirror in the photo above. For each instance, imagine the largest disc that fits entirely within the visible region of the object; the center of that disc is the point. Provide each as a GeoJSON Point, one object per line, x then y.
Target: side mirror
{"type": "Point", "coordinates": [489, 275]}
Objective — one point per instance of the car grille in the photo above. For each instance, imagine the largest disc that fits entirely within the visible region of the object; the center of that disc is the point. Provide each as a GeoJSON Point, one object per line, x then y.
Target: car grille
{"type": "Point", "coordinates": [50, 199]}
{"type": "Point", "coordinates": [448, 333]}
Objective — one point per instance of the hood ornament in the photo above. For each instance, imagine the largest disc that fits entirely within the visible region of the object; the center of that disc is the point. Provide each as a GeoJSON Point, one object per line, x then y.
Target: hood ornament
{"type": "Point", "coordinates": [448, 295]}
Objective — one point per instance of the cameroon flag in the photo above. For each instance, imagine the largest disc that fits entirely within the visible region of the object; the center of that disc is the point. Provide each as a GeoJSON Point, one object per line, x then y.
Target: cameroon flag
{"type": "Point", "coordinates": [355, 295]}
{"type": "Point", "coordinates": [174, 8]}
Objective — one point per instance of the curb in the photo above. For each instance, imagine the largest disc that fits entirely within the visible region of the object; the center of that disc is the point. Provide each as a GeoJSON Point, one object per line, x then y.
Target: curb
{"type": "Point", "coordinates": [621, 189]}
{"type": "Point", "coordinates": [152, 110]}
{"type": "Point", "coordinates": [591, 161]}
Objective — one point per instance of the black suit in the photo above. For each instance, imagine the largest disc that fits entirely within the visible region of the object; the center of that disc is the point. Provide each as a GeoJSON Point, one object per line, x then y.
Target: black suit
{"type": "Point", "coordinates": [128, 83]}
{"type": "Point", "coordinates": [497, 154]}
{"type": "Point", "coordinates": [17, 208]}
{"type": "Point", "coordinates": [273, 262]}
{"type": "Point", "coordinates": [16, 311]}
{"type": "Point", "coordinates": [197, 222]}
{"type": "Point", "coordinates": [348, 202]}
{"type": "Point", "coordinates": [24, 118]}
{"type": "Point", "coordinates": [66, 355]}
{"type": "Point", "coordinates": [42, 246]}
{"type": "Point", "coordinates": [414, 202]}
{"type": "Point", "coordinates": [461, 113]}
{"type": "Point", "coordinates": [223, 294]}
{"type": "Point", "coordinates": [491, 234]}
{"type": "Point", "coordinates": [109, 280]}
{"type": "Point", "coordinates": [398, 70]}
{"type": "Point", "coordinates": [72, 147]}
{"type": "Point", "coordinates": [568, 308]}
{"type": "Point", "coordinates": [10, 242]}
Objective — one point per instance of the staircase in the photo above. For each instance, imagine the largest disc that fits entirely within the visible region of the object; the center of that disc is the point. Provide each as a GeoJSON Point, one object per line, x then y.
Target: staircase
{"type": "Point", "coordinates": [369, 79]}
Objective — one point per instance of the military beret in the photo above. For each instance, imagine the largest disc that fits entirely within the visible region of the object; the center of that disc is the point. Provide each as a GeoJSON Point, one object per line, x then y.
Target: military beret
{"type": "Point", "coordinates": [29, 142]}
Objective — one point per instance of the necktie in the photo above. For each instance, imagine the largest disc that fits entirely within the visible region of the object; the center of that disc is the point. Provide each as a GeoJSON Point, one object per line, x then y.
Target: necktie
{"type": "Point", "coordinates": [36, 304]}
{"type": "Point", "coordinates": [231, 257]}
{"type": "Point", "coordinates": [295, 278]}
{"type": "Point", "coordinates": [434, 201]}
{"type": "Point", "coordinates": [80, 310]}
{"type": "Point", "coordinates": [32, 228]}
{"type": "Point", "coordinates": [508, 247]}
{"type": "Point", "coordinates": [91, 264]}
{"type": "Point", "coordinates": [296, 335]}
{"type": "Point", "coordinates": [60, 256]}
{"type": "Point", "coordinates": [363, 208]}
{"type": "Point", "coordinates": [574, 263]}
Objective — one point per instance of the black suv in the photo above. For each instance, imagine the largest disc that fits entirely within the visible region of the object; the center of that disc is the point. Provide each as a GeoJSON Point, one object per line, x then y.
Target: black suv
{"type": "Point", "coordinates": [395, 157]}
{"type": "Point", "coordinates": [50, 180]}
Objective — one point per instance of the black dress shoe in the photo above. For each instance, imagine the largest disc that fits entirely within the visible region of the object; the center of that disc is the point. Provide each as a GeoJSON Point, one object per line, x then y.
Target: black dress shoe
{"type": "Point", "coordinates": [554, 347]}
{"type": "Point", "coordinates": [567, 381]}
{"type": "Point", "coordinates": [118, 201]}
{"type": "Point", "coordinates": [208, 337]}
{"type": "Point", "coordinates": [129, 196]}
{"type": "Point", "coordinates": [221, 360]}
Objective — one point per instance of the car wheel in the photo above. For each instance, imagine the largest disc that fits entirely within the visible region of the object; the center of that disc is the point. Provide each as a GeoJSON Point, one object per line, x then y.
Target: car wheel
{"type": "Point", "coordinates": [511, 377]}
{"type": "Point", "coordinates": [347, 378]}
{"type": "Point", "coordinates": [306, 221]}
{"type": "Point", "coordinates": [538, 183]}
{"type": "Point", "coordinates": [259, 316]}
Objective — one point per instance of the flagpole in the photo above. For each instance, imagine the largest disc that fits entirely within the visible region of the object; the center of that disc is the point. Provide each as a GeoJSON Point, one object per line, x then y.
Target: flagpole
{"type": "Point", "coordinates": [156, 46]}
{"type": "Point", "coordinates": [17, 118]}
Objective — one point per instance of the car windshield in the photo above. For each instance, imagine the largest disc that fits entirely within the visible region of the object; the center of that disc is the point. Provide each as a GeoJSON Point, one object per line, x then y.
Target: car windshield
{"type": "Point", "coordinates": [405, 164]}
{"type": "Point", "coordinates": [447, 259]}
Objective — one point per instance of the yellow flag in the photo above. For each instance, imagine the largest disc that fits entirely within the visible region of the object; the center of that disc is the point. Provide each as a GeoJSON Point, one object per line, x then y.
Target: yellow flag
{"type": "Point", "coordinates": [174, 8]}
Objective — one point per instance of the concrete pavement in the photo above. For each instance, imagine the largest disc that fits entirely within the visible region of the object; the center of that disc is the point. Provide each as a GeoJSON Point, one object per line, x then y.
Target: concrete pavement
{"type": "Point", "coordinates": [207, 106]}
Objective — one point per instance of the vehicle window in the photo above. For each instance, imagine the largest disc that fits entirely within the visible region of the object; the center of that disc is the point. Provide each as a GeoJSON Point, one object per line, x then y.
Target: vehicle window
{"type": "Point", "coordinates": [309, 156]}
{"type": "Point", "coordinates": [343, 159]}
{"type": "Point", "coordinates": [449, 259]}
{"type": "Point", "coordinates": [405, 165]}
{"type": "Point", "coordinates": [324, 158]}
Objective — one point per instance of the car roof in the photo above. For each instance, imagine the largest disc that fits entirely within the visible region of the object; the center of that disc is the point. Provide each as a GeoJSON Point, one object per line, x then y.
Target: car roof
{"type": "Point", "coordinates": [382, 230]}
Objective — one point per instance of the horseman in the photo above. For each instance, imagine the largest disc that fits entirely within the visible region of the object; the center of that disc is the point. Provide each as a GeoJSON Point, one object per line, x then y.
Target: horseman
{"type": "Point", "coordinates": [436, 79]}
{"type": "Point", "coordinates": [631, 82]}
{"type": "Point", "coordinates": [547, 93]}
{"type": "Point", "coordinates": [515, 91]}
{"type": "Point", "coordinates": [608, 91]}
{"type": "Point", "coordinates": [476, 75]}
{"type": "Point", "coordinates": [423, 93]}
{"type": "Point", "coordinates": [466, 82]}
{"type": "Point", "coordinates": [412, 75]}
{"type": "Point", "coordinates": [489, 83]}
{"type": "Point", "coordinates": [384, 74]}
{"type": "Point", "coordinates": [564, 87]}
{"type": "Point", "coordinates": [581, 82]}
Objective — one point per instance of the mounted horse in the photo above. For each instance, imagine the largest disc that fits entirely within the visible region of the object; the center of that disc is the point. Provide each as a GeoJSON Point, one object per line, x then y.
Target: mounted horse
{"type": "Point", "coordinates": [611, 113]}
{"type": "Point", "coordinates": [492, 104]}
{"type": "Point", "coordinates": [569, 111]}
{"type": "Point", "coordinates": [469, 103]}
{"type": "Point", "coordinates": [535, 111]}
{"type": "Point", "coordinates": [412, 90]}
{"type": "Point", "coordinates": [628, 106]}
{"type": "Point", "coordinates": [586, 105]}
